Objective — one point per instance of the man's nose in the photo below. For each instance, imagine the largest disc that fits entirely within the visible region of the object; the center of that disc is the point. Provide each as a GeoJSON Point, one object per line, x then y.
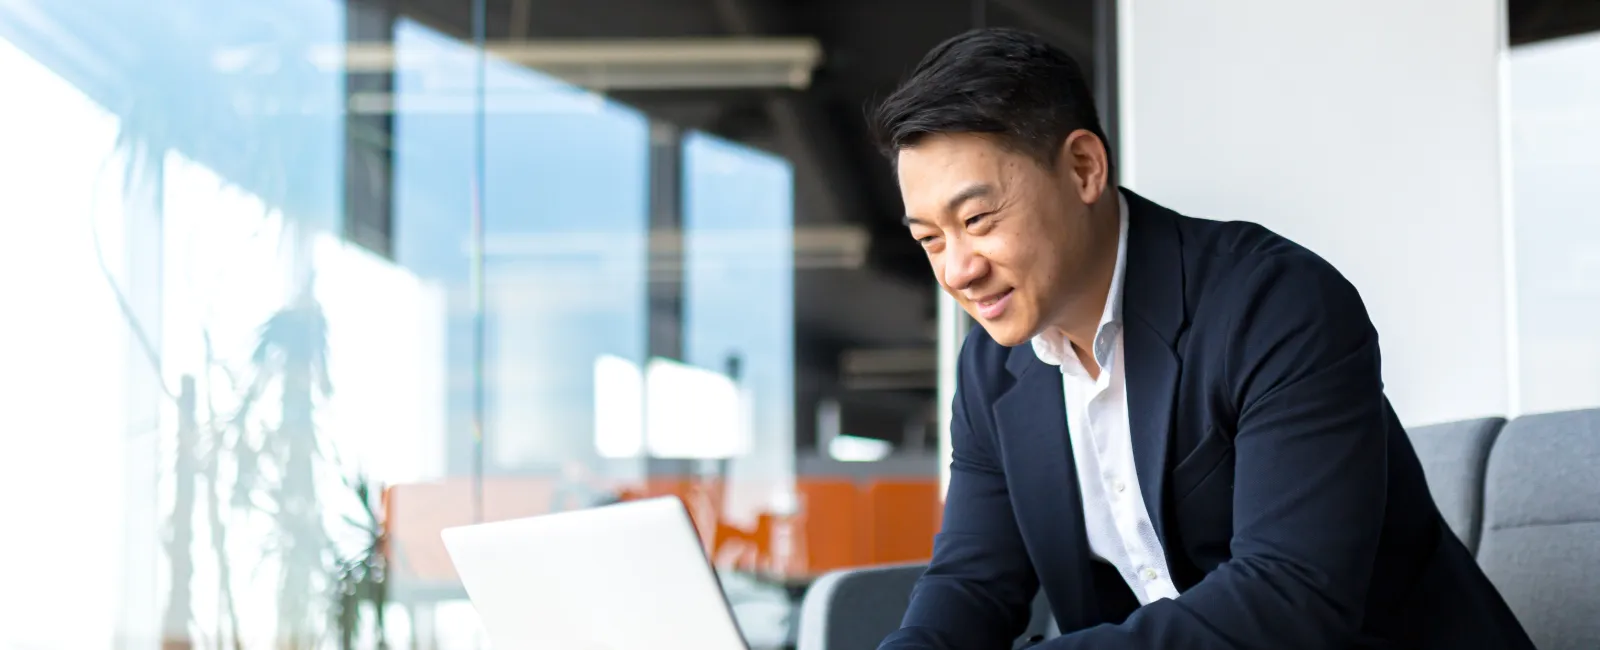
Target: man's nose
{"type": "Point", "coordinates": [963, 266]}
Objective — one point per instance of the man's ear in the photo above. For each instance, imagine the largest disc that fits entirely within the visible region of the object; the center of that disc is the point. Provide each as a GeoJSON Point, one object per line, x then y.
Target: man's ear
{"type": "Point", "coordinates": [1085, 165]}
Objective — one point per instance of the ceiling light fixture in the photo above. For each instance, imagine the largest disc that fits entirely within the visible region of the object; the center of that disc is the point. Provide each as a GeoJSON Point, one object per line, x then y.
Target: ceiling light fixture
{"type": "Point", "coordinates": [628, 64]}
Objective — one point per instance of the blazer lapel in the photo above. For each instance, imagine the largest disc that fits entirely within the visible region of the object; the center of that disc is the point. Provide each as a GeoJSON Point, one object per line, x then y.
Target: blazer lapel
{"type": "Point", "coordinates": [1152, 378]}
{"type": "Point", "coordinates": [1154, 317]}
{"type": "Point", "coordinates": [1032, 434]}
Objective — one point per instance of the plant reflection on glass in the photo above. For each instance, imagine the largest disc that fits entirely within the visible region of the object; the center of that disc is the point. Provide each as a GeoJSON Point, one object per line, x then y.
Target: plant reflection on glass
{"type": "Point", "coordinates": [293, 350]}
{"type": "Point", "coordinates": [247, 449]}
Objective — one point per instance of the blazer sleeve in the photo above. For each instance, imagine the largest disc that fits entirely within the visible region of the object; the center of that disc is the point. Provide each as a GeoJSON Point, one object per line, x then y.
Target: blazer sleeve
{"type": "Point", "coordinates": [977, 588]}
{"type": "Point", "coordinates": [1309, 475]}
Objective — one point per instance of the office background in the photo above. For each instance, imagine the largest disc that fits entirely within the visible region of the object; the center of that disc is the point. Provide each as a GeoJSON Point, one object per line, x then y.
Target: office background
{"type": "Point", "coordinates": [290, 286]}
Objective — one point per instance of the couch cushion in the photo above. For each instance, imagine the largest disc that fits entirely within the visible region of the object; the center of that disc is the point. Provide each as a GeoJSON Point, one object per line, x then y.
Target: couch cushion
{"type": "Point", "coordinates": [1541, 537]}
{"type": "Point", "coordinates": [1453, 457]}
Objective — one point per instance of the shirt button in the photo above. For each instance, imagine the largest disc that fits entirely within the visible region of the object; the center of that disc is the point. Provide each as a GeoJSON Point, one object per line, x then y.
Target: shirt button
{"type": "Point", "coordinates": [1150, 575]}
{"type": "Point", "coordinates": [1120, 487]}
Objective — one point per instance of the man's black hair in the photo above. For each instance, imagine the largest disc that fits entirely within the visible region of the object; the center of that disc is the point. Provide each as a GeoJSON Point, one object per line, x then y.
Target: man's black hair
{"type": "Point", "coordinates": [1007, 83]}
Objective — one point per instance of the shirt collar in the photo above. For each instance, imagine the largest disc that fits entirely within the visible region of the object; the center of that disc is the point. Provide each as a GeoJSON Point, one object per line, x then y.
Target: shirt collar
{"type": "Point", "coordinates": [1051, 345]}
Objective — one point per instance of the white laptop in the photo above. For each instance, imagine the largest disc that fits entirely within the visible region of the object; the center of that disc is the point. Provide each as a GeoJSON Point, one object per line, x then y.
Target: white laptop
{"type": "Point", "coordinates": [630, 576]}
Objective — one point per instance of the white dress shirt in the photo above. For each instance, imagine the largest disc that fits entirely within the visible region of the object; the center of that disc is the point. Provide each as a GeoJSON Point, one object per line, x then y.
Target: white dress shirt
{"type": "Point", "coordinates": [1118, 524]}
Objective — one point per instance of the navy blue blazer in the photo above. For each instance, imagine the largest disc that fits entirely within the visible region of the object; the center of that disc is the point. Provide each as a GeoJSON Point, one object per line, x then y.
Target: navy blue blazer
{"type": "Point", "coordinates": [1291, 506]}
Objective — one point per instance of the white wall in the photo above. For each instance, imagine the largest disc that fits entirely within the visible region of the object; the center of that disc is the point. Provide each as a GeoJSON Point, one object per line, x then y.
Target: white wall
{"type": "Point", "coordinates": [1368, 130]}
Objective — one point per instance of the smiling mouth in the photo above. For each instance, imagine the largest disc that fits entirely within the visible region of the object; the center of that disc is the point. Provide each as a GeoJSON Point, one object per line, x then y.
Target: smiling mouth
{"type": "Point", "coordinates": [990, 300]}
{"type": "Point", "coordinates": [993, 306]}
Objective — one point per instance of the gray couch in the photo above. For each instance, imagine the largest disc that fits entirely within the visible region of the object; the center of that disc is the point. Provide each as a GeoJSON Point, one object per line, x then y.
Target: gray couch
{"type": "Point", "coordinates": [1523, 495]}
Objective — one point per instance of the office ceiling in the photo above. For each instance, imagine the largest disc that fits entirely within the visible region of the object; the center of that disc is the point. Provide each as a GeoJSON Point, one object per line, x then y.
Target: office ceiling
{"type": "Point", "coordinates": [1541, 20]}
{"type": "Point", "coordinates": [867, 47]}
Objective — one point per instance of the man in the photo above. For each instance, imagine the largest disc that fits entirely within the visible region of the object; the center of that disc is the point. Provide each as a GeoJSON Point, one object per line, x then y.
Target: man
{"type": "Point", "coordinates": [1175, 427]}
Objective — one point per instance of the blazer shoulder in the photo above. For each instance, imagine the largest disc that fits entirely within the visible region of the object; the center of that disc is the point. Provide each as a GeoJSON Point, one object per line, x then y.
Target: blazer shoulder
{"type": "Point", "coordinates": [1236, 257]}
{"type": "Point", "coordinates": [1268, 311]}
{"type": "Point", "coordinates": [1254, 282]}
{"type": "Point", "coordinates": [1247, 282]}
{"type": "Point", "coordinates": [1238, 241]}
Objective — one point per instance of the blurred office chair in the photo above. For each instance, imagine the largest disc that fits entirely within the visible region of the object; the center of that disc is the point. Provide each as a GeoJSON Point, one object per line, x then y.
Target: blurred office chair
{"type": "Point", "coordinates": [855, 609]}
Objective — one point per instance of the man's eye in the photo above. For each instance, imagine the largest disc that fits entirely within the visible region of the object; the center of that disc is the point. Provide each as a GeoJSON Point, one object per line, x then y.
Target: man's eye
{"type": "Point", "coordinates": [924, 240]}
{"type": "Point", "coordinates": [973, 221]}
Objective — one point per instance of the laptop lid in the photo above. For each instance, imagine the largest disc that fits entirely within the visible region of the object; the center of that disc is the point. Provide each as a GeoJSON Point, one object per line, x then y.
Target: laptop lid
{"type": "Point", "coordinates": [619, 577]}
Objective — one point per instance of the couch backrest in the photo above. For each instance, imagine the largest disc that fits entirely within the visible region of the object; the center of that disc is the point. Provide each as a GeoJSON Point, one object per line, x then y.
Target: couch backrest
{"type": "Point", "coordinates": [1454, 456]}
{"type": "Point", "coordinates": [1541, 526]}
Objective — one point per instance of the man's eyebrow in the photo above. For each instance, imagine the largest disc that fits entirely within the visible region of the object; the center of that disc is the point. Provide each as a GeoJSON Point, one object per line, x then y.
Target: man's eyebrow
{"type": "Point", "coordinates": [979, 190]}
{"type": "Point", "coordinates": [969, 193]}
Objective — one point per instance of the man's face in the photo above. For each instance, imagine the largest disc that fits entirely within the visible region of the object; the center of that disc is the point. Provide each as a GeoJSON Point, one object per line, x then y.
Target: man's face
{"type": "Point", "coordinates": [1011, 241]}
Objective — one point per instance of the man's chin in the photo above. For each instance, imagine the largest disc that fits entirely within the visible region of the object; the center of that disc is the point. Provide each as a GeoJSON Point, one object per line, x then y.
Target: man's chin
{"type": "Point", "coordinates": [1007, 334]}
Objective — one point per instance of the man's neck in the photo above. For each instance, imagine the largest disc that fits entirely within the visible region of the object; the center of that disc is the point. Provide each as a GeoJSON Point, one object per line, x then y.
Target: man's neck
{"type": "Point", "coordinates": [1083, 319]}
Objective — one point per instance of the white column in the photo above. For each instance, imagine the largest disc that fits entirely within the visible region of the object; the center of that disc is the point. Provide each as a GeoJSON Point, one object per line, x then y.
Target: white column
{"type": "Point", "coordinates": [1367, 130]}
{"type": "Point", "coordinates": [953, 324]}
{"type": "Point", "coordinates": [139, 616]}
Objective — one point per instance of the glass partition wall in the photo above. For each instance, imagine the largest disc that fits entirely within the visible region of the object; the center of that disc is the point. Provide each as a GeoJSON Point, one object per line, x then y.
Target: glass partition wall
{"type": "Point", "coordinates": [295, 285]}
